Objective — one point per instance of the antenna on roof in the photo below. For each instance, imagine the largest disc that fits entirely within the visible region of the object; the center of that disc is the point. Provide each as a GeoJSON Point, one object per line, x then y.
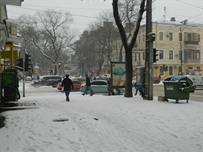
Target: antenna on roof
{"type": "Point", "coordinates": [164, 14]}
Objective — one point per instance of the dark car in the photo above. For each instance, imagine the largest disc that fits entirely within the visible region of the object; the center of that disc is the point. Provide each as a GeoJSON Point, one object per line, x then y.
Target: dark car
{"type": "Point", "coordinates": [48, 80]}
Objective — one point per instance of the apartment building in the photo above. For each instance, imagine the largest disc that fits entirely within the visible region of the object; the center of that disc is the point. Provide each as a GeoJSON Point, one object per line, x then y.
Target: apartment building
{"type": "Point", "coordinates": [172, 40]}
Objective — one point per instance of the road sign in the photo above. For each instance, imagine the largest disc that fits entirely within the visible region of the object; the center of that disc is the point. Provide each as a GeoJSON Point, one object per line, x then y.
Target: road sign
{"type": "Point", "coordinates": [7, 54]}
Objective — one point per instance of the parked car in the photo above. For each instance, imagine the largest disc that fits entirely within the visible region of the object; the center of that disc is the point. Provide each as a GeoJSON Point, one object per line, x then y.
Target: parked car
{"type": "Point", "coordinates": [76, 84]}
{"type": "Point", "coordinates": [83, 80]}
{"type": "Point", "coordinates": [101, 86]}
{"type": "Point", "coordinates": [28, 78]}
{"type": "Point", "coordinates": [48, 80]}
{"type": "Point", "coordinates": [156, 80]}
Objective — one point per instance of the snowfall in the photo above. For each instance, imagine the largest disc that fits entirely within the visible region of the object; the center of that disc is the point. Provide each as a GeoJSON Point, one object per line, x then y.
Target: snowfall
{"type": "Point", "coordinates": [100, 123]}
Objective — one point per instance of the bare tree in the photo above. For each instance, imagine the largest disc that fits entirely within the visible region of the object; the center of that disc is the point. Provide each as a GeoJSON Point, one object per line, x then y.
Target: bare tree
{"type": "Point", "coordinates": [55, 34]}
{"type": "Point", "coordinates": [103, 38]}
{"type": "Point", "coordinates": [27, 30]}
{"type": "Point", "coordinates": [128, 46]}
{"type": "Point", "coordinates": [128, 11]}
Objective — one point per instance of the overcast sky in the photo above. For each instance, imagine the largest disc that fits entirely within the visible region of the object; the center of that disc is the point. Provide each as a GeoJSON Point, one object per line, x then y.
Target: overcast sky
{"type": "Point", "coordinates": [86, 11]}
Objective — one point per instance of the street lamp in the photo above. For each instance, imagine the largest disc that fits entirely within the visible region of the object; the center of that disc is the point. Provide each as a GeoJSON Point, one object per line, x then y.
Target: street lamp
{"type": "Point", "coordinates": [181, 50]}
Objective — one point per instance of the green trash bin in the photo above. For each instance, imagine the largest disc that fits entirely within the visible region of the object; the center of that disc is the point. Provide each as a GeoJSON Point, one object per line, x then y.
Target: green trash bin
{"type": "Point", "coordinates": [178, 88]}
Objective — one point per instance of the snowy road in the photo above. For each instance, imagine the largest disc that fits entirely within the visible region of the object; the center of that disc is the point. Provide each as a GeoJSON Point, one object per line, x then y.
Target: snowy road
{"type": "Point", "coordinates": [102, 124]}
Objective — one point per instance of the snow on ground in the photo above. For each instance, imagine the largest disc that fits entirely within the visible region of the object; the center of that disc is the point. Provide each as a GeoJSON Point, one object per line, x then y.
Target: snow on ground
{"type": "Point", "coordinates": [102, 123]}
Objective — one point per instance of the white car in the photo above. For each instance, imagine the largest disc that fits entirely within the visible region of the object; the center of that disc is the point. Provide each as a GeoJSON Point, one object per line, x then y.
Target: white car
{"type": "Point", "coordinates": [134, 80]}
{"type": "Point", "coordinates": [28, 78]}
{"type": "Point", "coordinates": [101, 86]}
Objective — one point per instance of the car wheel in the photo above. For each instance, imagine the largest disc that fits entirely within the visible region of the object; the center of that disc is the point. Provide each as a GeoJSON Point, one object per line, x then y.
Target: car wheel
{"type": "Point", "coordinates": [36, 85]}
{"type": "Point", "coordinates": [116, 91]}
{"type": "Point", "coordinates": [54, 85]}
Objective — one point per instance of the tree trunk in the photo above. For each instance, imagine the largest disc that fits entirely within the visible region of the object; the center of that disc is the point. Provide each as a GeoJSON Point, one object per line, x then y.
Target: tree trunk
{"type": "Point", "coordinates": [129, 67]}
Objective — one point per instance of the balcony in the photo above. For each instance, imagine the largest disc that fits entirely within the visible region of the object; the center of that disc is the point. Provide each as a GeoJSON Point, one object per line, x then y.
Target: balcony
{"type": "Point", "coordinates": [192, 61]}
{"type": "Point", "coordinates": [11, 2]}
{"type": "Point", "coordinates": [191, 42]}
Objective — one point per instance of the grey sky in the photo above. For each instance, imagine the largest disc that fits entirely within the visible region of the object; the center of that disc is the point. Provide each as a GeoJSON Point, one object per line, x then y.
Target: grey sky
{"type": "Point", "coordinates": [86, 11]}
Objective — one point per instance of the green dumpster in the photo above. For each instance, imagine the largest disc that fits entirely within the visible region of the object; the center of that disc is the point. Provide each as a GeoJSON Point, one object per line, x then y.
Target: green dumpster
{"type": "Point", "coordinates": [10, 85]}
{"type": "Point", "coordinates": [178, 88]}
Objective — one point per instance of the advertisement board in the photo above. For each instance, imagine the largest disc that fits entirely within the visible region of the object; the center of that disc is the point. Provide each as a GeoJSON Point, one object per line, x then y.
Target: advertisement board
{"type": "Point", "coordinates": [118, 74]}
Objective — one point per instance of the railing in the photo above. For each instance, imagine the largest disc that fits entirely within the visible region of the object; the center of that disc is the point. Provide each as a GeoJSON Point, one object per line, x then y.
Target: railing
{"type": "Point", "coordinates": [191, 42]}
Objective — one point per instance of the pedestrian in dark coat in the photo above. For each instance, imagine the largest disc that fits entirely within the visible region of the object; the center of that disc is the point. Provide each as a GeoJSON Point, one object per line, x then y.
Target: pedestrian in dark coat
{"type": "Point", "coordinates": [67, 84]}
{"type": "Point", "coordinates": [110, 89]}
{"type": "Point", "coordinates": [88, 86]}
{"type": "Point", "coordinates": [18, 93]}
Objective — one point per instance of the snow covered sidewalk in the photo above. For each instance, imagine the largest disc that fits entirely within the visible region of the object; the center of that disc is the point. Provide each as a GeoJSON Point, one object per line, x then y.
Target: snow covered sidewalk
{"type": "Point", "coordinates": [102, 124]}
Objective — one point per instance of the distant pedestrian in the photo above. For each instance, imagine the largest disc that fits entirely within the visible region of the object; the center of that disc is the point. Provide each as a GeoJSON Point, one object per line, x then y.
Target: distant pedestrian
{"type": "Point", "coordinates": [88, 86]}
{"type": "Point", "coordinates": [110, 90]}
{"type": "Point", "coordinates": [67, 84]}
{"type": "Point", "coordinates": [138, 88]}
{"type": "Point", "coordinates": [18, 93]}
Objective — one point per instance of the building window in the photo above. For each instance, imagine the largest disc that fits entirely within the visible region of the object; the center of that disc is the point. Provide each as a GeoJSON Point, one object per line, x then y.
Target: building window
{"type": "Point", "coordinates": [179, 69]}
{"type": "Point", "coordinates": [180, 36]}
{"type": "Point", "coordinates": [161, 70]}
{"type": "Point", "coordinates": [161, 54]}
{"type": "Point", "coordinates": [123, 58]}
{"type": "Point", "coordinates": [192, 54]}
{"type": "Point", "coordinates": [143, 55]}
{"type": "Point", "coordinates": [135, 56]}
{"type": "Point", "coordinates": [170, 36]}
{"type": "Point", "coordinates": [143, 38]}
{"type": "Point", "coordinates": [170, 55]}
{"type": "Point", "coordinates": [161, 36]}
{"type": "Point", "coordinates": [189, 35]}
{"type": "Point", "coordinates": [198, 37]}
{"type": "Point", "coordinates": [139, 39]}
{"type": "Point", "coordinates": [170, 70]}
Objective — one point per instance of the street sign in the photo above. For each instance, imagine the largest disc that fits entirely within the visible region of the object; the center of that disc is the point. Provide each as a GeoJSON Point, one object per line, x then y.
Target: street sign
{"type": "Point", "coordinates": [7, 54]}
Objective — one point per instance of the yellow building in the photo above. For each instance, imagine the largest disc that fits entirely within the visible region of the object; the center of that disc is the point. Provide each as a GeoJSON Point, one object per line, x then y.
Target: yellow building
{"type": "Point", "coordinates": [172, 40]}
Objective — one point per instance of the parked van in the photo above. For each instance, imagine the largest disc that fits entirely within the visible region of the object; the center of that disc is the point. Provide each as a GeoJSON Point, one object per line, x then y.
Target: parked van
{"type": "Point", "coordinates": [197, 79]}
{"type": "Point", "coordinates": [105, 76]}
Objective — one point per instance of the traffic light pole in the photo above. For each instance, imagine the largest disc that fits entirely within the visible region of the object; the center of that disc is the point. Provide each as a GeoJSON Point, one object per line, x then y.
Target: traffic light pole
{"type": "Point", "coordinates": [149, 54]}
{"type": "Point", "coordinates": [23, 78]}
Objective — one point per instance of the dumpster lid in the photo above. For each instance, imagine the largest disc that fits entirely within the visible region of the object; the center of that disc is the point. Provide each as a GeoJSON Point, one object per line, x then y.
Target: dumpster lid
{"type": "Point", "coordinates": [178, 78]}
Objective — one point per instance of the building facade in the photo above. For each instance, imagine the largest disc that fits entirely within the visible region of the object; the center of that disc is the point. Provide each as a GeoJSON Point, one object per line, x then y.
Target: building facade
{"type": "Point", "coordinates": [179, 47]}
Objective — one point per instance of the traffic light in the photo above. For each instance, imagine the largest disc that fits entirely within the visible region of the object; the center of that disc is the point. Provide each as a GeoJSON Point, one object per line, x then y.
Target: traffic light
{"type": "Point", "coordinates": [19, 64]}
{"type": "Point", "coordinates": [59, 64]}
{"type": "Point", "coordinates": [28, 64]}
{"type": "Point", "coordinates": [155, 55]}
{"type": "Point", "coordinates": [166, 68]}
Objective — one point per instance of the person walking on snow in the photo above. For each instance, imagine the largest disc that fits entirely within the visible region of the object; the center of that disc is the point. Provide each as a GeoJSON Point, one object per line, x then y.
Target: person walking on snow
{"type": "Point", "coordinates": [110, 90]}
{"type": "Point", "coordinates": [67, 84]}
{"type": "Point", "coordinates": [138, 88]}
{"type": "Point", "coordinates": [88, 86]}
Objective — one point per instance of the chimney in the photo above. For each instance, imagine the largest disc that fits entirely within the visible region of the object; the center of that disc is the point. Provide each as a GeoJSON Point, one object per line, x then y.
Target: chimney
{"type": "Point", "coordinates": [173, 19]}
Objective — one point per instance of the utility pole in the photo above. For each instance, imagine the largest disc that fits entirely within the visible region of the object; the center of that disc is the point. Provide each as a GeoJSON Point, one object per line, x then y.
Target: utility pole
{"type": "Point", "coordinates": [181, 52]}
{"type": "Point", "coordinates": [149, 53]}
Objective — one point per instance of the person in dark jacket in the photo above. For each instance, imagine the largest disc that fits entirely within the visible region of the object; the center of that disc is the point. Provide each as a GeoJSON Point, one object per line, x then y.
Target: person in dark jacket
{"type": "Point", "coordinates": [88, 86]}
{"type": "Point", "coordinates": [18, 93]}
{"type": "Point", "coordinates": [110, 89]}
{"type": "Point", "coordinates": [67, 84]}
